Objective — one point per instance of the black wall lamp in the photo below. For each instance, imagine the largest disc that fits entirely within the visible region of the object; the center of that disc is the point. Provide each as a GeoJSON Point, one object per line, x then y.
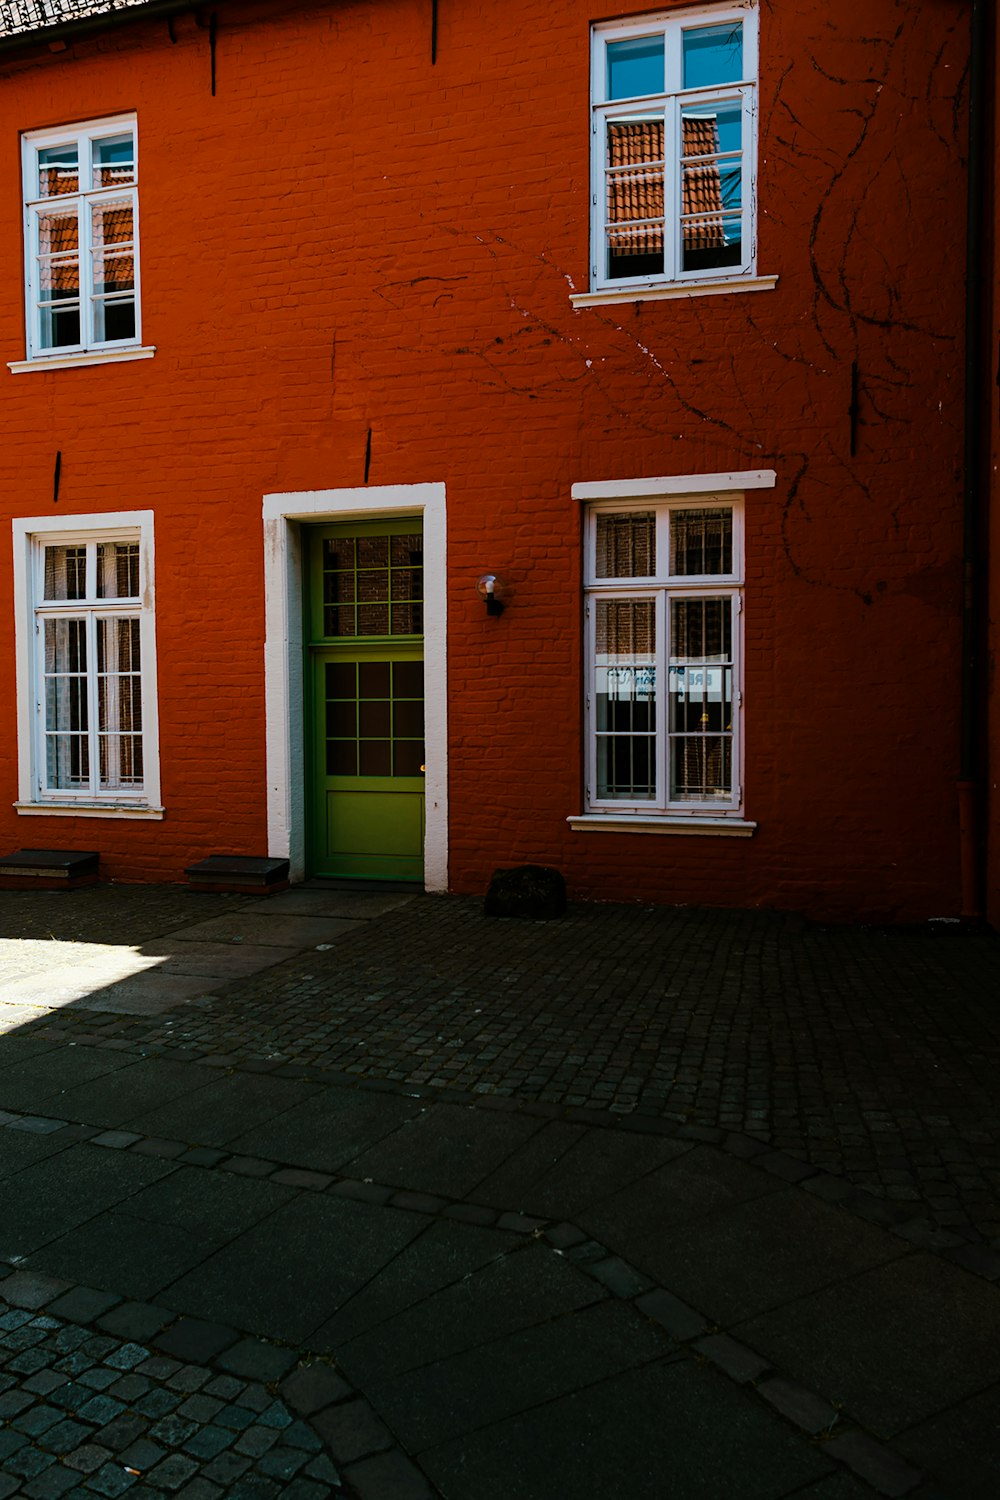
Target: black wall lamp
{"type": "Point", "coordinates": [490, 588]}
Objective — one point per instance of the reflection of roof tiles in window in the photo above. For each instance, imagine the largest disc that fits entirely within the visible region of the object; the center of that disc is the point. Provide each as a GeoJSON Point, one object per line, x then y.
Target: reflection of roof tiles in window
{"type": "Point", "coordinates": [60, 237]}
{"type": "Point", "coordinates": [18, 16]}
{"type": "Point", "coordinates": [638, 192]}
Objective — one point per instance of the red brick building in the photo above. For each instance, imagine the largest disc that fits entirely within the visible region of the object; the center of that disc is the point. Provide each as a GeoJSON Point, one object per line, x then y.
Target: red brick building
{"type": "Point", "coordinates": [321, 313]}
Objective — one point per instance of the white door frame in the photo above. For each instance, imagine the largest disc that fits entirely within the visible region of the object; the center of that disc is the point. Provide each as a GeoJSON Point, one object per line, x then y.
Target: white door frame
{"type": "Point", "coordinates": [284, 693]}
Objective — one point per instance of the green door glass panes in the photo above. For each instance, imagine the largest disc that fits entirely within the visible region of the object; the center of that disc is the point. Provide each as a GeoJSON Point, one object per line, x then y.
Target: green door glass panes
{"type": "Point", "coordinates": [372, 585]}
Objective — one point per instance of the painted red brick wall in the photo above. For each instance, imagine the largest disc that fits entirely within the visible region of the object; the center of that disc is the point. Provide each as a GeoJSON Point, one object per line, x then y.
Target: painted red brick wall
{"type": "Point", "coordinates": [347, 238]}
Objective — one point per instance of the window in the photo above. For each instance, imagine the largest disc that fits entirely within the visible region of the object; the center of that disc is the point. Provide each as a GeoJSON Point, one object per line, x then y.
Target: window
{"type": "Point", "coordinates": [663, 608]}
{"type": "Point", "coordinates": [86, 669]}
{"type": "Point", "coordinates": [673, 129]}
{"type": "Point", "coordinates": [80, 239]}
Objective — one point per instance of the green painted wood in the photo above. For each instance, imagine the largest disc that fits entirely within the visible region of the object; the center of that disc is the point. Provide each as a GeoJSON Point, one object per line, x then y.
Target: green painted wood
{"type": "Point", "coordinates": [365, 702]}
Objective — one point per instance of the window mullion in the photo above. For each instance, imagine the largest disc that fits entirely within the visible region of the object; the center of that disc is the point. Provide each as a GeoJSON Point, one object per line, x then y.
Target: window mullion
{"type": "Point", "coordinates": [93, 736]}
{"type": "Point", "coordinates": [663, 700]}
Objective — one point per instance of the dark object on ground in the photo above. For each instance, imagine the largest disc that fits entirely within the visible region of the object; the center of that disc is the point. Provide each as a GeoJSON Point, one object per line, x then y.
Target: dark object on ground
{"type": "Point", "coordinates": [527, 891]}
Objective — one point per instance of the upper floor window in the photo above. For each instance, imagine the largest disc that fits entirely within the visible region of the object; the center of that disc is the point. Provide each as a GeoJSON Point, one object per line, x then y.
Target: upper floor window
{"type": "Point", "coordinates": [80, 238]}
{"type": "Point", "coordinates": [673, 148]}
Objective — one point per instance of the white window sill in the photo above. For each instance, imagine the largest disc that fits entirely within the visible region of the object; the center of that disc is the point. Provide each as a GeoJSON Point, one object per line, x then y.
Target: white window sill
{"type": "Point", "coordinates": [674, 290]}
{"type": "Point", "coordinates": [87, 810]}
{"type": "Point", "coordinates": [81, 357]}
{"type": "Point", "coordinates": [664, 823]}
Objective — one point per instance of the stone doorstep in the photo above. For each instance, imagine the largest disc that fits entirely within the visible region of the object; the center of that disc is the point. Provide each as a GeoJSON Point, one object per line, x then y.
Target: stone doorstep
{"type": "Point", "coordinates": [241, 874]}
{"type": "Point", "coordinates": [48, 869]}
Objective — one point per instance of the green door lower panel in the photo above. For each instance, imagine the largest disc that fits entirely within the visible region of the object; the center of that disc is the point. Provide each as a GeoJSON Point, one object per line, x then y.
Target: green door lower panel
{"type": "Point", "coordinates": [375, 834]}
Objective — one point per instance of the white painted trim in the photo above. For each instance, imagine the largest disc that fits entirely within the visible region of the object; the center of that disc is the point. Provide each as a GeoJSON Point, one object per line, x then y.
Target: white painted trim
{"type": "Point", "coordinates": [82, 136]}
{"type": "Point", "coordinates": [70, 361]}
{"type": "Point", "coordinates": [603, 823]}
{"type": "Point", "coordinates": [677, 289]}
{"type": "Point", "coordinates": [86, 810]}
{"type": "Point", "coordinates": [283, 515]}
{"type": "Point", "coordinates": [675, 484]}
{"type": "Point", "coordinates": [26, 531]}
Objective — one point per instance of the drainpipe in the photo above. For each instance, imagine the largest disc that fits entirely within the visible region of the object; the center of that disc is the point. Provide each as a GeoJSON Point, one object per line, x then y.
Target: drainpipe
{"type": "Point", "coordinates": [975, 466]}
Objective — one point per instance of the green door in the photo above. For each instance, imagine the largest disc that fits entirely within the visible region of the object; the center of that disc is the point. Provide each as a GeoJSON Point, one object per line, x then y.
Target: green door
{"type": "Point", "coordinates": [366, 688]}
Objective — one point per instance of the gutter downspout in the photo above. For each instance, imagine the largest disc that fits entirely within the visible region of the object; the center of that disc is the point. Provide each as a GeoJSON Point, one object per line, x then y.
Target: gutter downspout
{"type": "Point", "coordinates": [975, 467]}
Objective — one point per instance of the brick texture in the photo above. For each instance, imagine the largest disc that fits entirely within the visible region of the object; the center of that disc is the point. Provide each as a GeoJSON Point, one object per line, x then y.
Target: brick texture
{"type": "Point", "coordinates": [346, 238]}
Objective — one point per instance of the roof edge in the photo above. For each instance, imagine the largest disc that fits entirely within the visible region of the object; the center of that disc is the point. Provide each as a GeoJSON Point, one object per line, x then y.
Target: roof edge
{"type": "Point", "coordinates": [66, 31]}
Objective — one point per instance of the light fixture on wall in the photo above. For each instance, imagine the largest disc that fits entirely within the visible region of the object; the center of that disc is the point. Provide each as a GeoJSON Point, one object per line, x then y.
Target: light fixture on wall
{"type": "Point", "coordinates": [490, 588]}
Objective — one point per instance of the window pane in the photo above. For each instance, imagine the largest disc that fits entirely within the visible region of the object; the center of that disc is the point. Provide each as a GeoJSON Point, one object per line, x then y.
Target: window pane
{"type": "Point", "coordinates": [113, 320]}
{"type": "Point", "coordinates": [701, 542]}
{"type": "Point", "coordinates": [408, 757]}
{"type": "Point", "coordinates": [59, 278]}
{"type": "Point", "coordinates": [67, 762]}
{"type": "Point", "coordinates": [712, 185]}
{"type": "Point", "coordinates": [626, 545]}
{"type": "Point", "coordinates": [118, 570]}
{"type": "Point", "coordinates": [65, 572]}
{"type": "Point", "coordinates": [114, 161]}
{"type": "Point", "coordinates": [112, 222]}
{"type": "Point", "coordinates": [713, 55]}
{"type": "Point", "coordinates": [635, 196]}
{"type": "Point", "coordinates": [119, 703]}
{"type": "Point", "coordinates": [701, 699]}
{"type": "Point", "coordinates": [58, 171]}
{"type": "Point", "coordinates": [635, 67]}
{"type": "Point", "coordinates": [625, 699]}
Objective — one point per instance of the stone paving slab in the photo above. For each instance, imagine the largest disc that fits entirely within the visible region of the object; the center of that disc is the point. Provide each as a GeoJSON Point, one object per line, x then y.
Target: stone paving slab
{"type": "Point", "coordinates": [450, 1397]}
{"type": "Point", "coordinates": [673, 1194]}
{"type": "Point", "coordinates": [25, 1083]}
{"type": "Point", "coordinates": [54, 1196]}
{"type": "Point", "coordinates": [440, 1256]}
{"type": "Point", "coordinates": [220, 1109]}
{"type": "Point", "coordinates": [447, 1149]}
{"type": "Point", "coordinates": [331, 1128]}
{"type": "Point", "coordinates": [351, 905]}
{"type": "Point", "coordinates": [117, 1250]}
{"type": "Point", "coordinates": [507, 1294]}
{"type": "Point", "coordinates": [212, 1213]}
{"type": "Point", "coordinates": [141, 1085]}
{"type": "Point", "coordinates": [888, 1342]}
{"type": "Point", "coordinates": [564, 1168]}
{"type": "Point", "coordinates": [692, 1438]}
{"type": "Point", "coordinates": [962, 1443]}
{"type": "Point", "coordinates": [221, 961]}
{"type": "Point", "coordinates": [268, 928]}
{"type": "Point", "coordinates": [746, 1258]}
{"type": "Point", "coordinates": [132, 988]}
{"type": "Point", "coordinates": [284, 1277]}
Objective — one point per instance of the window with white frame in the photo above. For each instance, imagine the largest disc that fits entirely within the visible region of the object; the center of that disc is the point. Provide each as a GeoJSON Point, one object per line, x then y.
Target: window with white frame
{"type": "Point", "coordinates": [673, 138]}
{"type": "Point", "coordinates": [87, 689]}
{"type": "Point", "coordinates": [663, 616]}
{"type": "Point", "coordinates": [80, 238]}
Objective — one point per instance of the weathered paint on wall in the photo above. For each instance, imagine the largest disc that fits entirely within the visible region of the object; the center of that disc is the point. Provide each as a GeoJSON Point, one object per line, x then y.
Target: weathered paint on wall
{"type": "Point", "coordinates": [346, 238]}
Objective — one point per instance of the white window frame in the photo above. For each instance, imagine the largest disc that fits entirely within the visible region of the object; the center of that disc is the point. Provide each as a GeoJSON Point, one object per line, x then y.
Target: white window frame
{"type": "Point", "coordinates": [89, 349]}
{"type": "Point", "coordinates": [674, 281]}
{"type": "Point", "coordinates": [31, 536]}
{"type": "Point", "coordinates": [662, 814]}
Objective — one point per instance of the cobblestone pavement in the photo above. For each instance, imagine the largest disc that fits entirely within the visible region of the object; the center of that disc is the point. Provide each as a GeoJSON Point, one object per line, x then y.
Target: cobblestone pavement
{"type": "Point", "coordinates": [431, 1204]}
{"type": "Point", "coordinates": [870, 1053]}
{"type": "Point", "coordinates": [87, 1414]}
